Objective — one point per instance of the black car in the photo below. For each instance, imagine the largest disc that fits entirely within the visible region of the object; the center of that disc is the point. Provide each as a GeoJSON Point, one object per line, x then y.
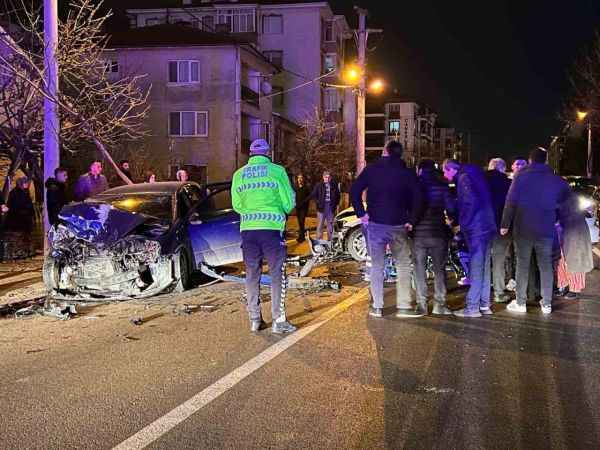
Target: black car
{"type": "Point", "coordinates": [140, 240]}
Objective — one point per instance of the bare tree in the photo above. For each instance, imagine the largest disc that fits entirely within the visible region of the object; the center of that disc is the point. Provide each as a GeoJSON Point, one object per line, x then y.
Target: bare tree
{"type": "Point", "coordinates": [320, 146]}
{"type": "Point", "coordinates": [93, 106]}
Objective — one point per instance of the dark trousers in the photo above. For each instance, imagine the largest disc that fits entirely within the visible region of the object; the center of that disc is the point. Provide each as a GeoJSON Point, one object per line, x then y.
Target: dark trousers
{"type": "Point", "coordinates": [301, 216]}
{"type": "Point", "coordinates": [480, 249]}
{"type": "Point", "coordinates": [268, 244]}
{"type": "Point", "coordinates": [500, 248]}
{"type": "Point", "coordinates": [543, 254]}
{"type": "Point", "coordinates": [437, 249]}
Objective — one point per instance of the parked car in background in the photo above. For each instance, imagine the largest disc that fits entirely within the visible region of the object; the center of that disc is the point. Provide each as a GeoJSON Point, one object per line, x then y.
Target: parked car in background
{"type": "Point", "coordinates": [589, 201]}
{"type": "Point", "coordinates": [140, 240]}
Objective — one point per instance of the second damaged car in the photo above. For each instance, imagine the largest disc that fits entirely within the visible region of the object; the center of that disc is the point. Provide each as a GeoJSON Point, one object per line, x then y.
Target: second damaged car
{"type": "Point", "coordinates": [140, 240]}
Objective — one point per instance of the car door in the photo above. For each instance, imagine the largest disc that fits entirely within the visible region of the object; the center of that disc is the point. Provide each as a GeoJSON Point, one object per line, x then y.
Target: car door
{"type": "Point", "coordinates": [214, 230]}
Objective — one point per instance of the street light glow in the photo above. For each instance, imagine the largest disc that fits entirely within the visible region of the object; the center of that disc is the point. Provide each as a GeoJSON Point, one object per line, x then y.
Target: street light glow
{"type": "Point", "coordinates": [581, 115]}
{"type": "Point", "coordinates": [376, 86]}
{"type": "Point", "coordinates": [352, 74]}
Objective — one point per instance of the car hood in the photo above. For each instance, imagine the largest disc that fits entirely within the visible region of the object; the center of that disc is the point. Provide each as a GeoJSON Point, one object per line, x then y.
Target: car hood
{"type": "Point", "coordinates": [100, 223]}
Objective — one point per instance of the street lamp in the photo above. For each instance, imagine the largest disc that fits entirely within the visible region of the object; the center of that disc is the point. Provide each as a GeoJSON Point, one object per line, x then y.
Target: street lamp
{"type": "Point", "coordinates": [376, 86]}
{"type": "Point", "coordinates": [581, 116]}
{"type": "Point", "coordinates": [352, 74]}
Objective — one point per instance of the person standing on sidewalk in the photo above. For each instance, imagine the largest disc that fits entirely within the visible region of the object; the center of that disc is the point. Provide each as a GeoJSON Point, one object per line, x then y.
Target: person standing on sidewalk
{"type": "Point", "coordinates": [263, 197]}
{"type": "Point", "coordinates": [56, 194]}
{"type": "Point", "coordinates": [302, 204]}
{"type": "Point", "coordinates": [431, 237]}
{"type": "Point", "coordinates": [91, 183]}
{"type": "Point", "coordinates": [394, 201]}
{"type": "Point", "coordinates": [531, 213]}
{"type": "Point", "coordinates": [327, 196]}
{"type": "Point", "coordinates": [499, 184]}
{"type": "Point", "coordinates": [477, 224]}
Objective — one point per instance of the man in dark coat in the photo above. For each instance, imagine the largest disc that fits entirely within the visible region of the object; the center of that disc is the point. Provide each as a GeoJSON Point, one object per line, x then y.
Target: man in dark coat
{"type": "Point", "coordinates": [91, 183]}
{"type": "Point", "coordinates": [327, 196]}
{"type": "Point", "coordinates": [20, 208]}
{"type": "Point", "coordinates": [499, 184]}
{"type": "Point", "coordinates": [56, 194]}
{"type": "Point", "coordinates": [394, 201]}
{"type": "Point", "coordinates": [531, 213]}
{"type": "Point", "coordinates": [431, 236]}
{"type": "Point", "coordinates": [302, 202]}
{"type": "Point", "coordinates": [478, 225]}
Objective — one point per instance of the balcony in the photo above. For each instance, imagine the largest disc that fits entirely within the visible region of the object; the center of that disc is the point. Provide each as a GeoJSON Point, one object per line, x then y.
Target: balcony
{"type": "Point", "coordinates": [250, 96]}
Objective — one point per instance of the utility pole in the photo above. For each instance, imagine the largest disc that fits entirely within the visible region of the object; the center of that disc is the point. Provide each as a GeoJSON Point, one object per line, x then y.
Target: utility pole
{"type": "Point", "coordinates": [590, 160]}
{"type": "Point", "coordinates": [51, 121]}
{"type": "Point", "coordinates": [363, 36]}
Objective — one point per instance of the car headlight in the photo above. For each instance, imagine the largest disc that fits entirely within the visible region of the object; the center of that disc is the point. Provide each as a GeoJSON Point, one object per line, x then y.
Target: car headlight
{"type": "Point", "coordinates": [585, 203]}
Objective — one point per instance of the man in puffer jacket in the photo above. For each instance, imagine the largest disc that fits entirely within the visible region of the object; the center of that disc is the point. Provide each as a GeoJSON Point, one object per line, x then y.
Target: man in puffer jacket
{"type": "Point", "coordinates": [431, 237]}
{"type": "Point", "coordinates": [478, 225]}
{"type": "Point", "coordinates": [263, 196]}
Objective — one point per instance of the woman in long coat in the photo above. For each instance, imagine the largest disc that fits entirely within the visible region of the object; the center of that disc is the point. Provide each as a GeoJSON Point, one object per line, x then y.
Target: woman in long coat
{"type": "Point", "coordinates": [19, 221]}
{"type": "Point", "coordinates": [576, 248]}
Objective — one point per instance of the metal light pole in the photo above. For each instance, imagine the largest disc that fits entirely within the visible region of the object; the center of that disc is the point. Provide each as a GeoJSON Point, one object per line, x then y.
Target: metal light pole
{"type": "Point", "coordinates": [51, 120]}
{"type": "Point", "coordinates": [589, 150]}
{"type": "Point", "coordinates": [360, 106]}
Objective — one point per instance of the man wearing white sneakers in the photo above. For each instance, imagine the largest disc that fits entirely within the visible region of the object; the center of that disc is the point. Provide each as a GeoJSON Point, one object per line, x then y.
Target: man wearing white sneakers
{"type": "Point", "coordinates": [531, 211]}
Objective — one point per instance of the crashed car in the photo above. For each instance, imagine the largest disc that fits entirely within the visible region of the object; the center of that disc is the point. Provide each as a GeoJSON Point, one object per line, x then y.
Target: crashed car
{"type": "Point", "coordinates": [140, 240]}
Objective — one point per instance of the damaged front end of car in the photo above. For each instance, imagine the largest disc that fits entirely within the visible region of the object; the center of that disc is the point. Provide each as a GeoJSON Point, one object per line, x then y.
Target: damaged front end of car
{"type": "Point", "coordinates": [99, 252]}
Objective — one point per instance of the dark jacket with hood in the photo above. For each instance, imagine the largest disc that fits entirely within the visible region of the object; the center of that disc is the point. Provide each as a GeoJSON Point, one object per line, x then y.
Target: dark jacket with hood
{"type": "Point", "coordinates": [319, 194]}
{"type": "Point", "coordinates": [533, 201]}
{"type": "Point", "coordinates": [56, 198]}
{"type": "Point", "coordinates": [474, 203]}
{"type": "Point", "coordinates": [394, 196]}
{"type": "Point", "coordinates": [303, 195]}
{"type": "Point", "coordinates": [499, 184]}
{"type": "Point", "coordinates": [436, 200]}
{"type": "Point", "coordinates": [20, 211]}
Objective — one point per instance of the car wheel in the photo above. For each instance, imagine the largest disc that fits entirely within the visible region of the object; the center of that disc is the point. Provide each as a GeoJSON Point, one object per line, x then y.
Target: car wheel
{"type": "Point", "coordinates": [50, 274]}
{"type": "Point", "coordinates": [183, 271]}
{"type": "Point", "coordinates": [356, 245]}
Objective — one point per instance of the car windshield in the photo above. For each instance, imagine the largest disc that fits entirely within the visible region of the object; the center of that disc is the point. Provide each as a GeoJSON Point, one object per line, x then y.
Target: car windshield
{"type": "Point", "coordinates": [159, 206]}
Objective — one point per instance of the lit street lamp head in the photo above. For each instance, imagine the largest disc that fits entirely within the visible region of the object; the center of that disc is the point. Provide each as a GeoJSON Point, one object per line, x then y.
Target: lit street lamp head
{"type": "Point", "coordinates": [376, 87]}
{"type": "Point", "coordinates": [352, 74]}
{"type": "Point", "coordinates": [581, 115]}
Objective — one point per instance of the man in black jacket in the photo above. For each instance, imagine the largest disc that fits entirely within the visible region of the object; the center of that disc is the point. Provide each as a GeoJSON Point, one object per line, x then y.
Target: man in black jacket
{"type": "Point", "coordinates": [478, 225]}
{"type": "Point", "coordinates": [302, 200]}
{"type": "Point", "coordinates": [394, 200]}
{"type": "Point", "coordinates": [56, 194]}
{"type": "Point", "coordinates": [499, 184]}
{"type": "Point", "coordinates": [431, 237]}
{"type": "Point", "coordinates": [327, 196]}
{"type": "Point", "coordinates": [531, 212]}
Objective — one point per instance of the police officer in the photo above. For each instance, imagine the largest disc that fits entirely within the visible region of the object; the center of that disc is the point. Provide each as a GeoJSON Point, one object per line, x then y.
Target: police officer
{"type": "Point", "coordinates": [263, 196]}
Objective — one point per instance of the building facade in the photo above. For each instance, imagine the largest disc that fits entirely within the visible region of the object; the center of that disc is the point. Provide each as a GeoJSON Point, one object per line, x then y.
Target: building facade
{"type": "Point", "coordinates": [305, 40]}
{"type": "Point", "coordinates": [206, 97]}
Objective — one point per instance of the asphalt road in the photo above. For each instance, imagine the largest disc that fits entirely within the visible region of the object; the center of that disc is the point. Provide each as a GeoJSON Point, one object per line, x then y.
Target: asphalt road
{"type": "Point", "coordinates": [349, 382]}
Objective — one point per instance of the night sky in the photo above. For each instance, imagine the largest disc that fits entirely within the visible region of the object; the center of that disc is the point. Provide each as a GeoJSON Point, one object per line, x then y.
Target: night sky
{"type": "Point", "coordinates": [496, 67]}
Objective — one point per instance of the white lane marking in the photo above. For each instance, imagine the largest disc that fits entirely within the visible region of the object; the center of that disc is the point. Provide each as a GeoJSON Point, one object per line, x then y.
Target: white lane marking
{"type": "Point", "coordinates": [166, 423]}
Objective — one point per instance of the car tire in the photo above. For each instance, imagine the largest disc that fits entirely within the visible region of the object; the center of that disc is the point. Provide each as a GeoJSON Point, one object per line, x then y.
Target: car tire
{"type": "Point", "coordinates": [50, 274]}
{"type": "Point", "coordinates": [356, 245]}
{"type": "Point", "coordinates": [183, 270]}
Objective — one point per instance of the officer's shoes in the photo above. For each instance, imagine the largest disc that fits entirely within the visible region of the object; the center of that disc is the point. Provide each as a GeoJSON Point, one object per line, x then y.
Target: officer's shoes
{"type": "Point", "coordinates": [282, 327]}
{"type": "Point", "coordinates": [376, 312]}
{"type": "Point", "coordinates": [257, 325]}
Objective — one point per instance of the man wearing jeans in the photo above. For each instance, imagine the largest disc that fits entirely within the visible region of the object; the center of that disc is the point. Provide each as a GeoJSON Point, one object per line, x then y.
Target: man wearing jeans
{"type": "Point", "coordinates": [431, 237]}
{"type": "Point", "coordinates": [477, 224]}
{"type": "Point", "coordinates": [531, 212]}
{"type": "Point", "coordinates": [394, 201]}
{"type": "Point", "coordinates": [327, 196]}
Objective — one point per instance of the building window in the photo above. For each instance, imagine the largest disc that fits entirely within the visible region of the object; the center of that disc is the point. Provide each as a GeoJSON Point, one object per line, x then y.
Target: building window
{"type": "Point", "coordinates": [239, 20]}
{"type": "Point", "coordinates": [184, 71]}
{"type": "Point", "coordinates": [208, 23]}
{"type": "Point", "coordinates": [328, 31]}
{"type": "Point", "coordinates": [132, 21]}
{"type": "Point", "coordinates": [394, 127]}
{"type": "Point", "coordinates": [111, 66]}
{"type": "Point", "coordinates": [331, 100]}
{"type": "Point", "coordinates": [265, 131]}
{"type": "Point", "coordinates": [188, 123]}
{"type": "Point", "coordinates": [154, 21]}
{"type": "Point", "coordinates": [329, 62]}
{"type": "Point", "coordinates": [277, 96]}
{"type": "Point", "coordinates": [275, 56]}
{"type": "Point", "coordinates": [272, 24]}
